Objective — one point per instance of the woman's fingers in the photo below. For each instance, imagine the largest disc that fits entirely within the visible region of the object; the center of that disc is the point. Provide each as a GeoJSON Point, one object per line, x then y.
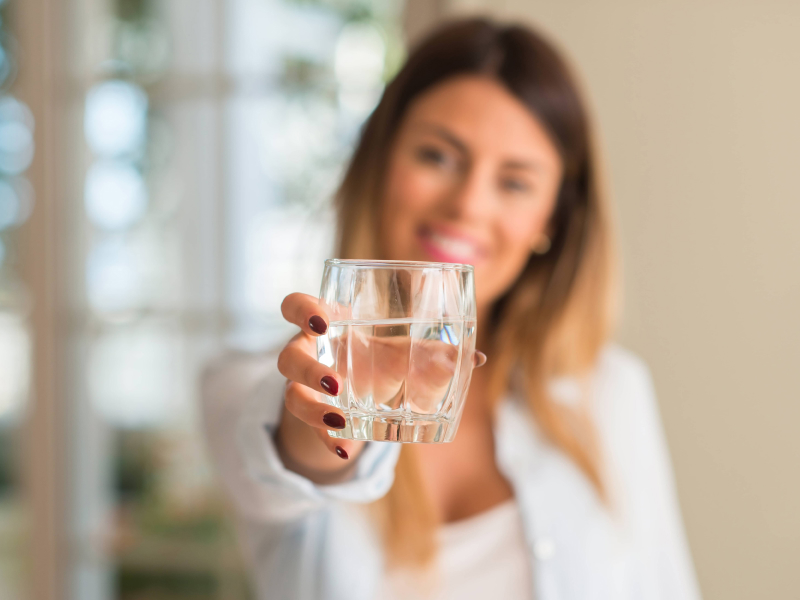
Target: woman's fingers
{"type": "Point", "coordinates": [301, 402]}
{"type": "Point", "coordinates": [297, 364]}
{"type": "Point", "coordinates": [306, 312]}
{"type": "Point", "coordinates": [480, 359]}
{"type": "Point", "coordinates": [344, 449]}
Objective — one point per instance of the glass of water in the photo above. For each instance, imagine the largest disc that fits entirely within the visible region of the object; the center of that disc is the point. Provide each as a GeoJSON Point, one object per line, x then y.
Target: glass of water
{"type": "Point", "coordinates": [402, 338]}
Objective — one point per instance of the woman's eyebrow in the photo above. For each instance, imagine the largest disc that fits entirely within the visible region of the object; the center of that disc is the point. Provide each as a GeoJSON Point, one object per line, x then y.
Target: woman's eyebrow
{"type": "Point", "coordinates": [447, 135]}
{"type": "Point", "coordinates": [527, 165]}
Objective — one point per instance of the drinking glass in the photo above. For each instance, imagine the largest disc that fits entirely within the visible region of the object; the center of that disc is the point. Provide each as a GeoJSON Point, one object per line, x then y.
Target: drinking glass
{"type": "Point", "coordinates": [402, 338]}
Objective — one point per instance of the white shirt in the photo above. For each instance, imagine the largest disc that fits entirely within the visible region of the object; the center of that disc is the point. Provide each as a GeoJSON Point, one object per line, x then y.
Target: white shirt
{"type": "Point", "coordinates": [483, 556]}
{"type": "Point", "coordinates": [307, 542]}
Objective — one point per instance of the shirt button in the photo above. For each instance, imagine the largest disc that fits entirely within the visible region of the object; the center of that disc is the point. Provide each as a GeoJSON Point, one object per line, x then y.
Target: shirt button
{"type": "Point", "coordinates": [544, 548]}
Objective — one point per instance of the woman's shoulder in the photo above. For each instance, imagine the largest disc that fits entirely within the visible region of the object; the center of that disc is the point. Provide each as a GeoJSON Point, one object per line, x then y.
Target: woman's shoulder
{"type": "Point", "coordinates": [627, 412]}
{"type": "Point", "coordinates": [617, 374]}
{"type": "Point", "coordinates": [241, 366]}
{"type": "Point", "coordinates": [236, 369]}
{"type": "Point", "coordinates": [623, 395]}
{"type": "Point", "coordinates": [617, 362]}
{"type": "Point", "coordinates": [232, 378]}
{"type": "Point", "coordinates": [620, 375]}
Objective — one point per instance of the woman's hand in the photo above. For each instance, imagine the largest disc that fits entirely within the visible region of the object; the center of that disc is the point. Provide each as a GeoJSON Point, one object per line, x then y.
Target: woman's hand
{"type": "Point", "coordinates": [303, 440]}
{"type": "Point", "coordinates": [382, 368]}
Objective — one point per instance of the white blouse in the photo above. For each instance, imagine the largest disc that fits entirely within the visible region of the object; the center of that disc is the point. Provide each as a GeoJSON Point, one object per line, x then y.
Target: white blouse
{"type": "Point", "coordinates": [315, 542]}
{"type": "Point", "coordinates": [483, 556]}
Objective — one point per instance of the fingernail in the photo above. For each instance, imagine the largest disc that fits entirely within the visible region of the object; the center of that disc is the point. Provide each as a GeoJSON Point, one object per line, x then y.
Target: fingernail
{"type": "Point", "coordinates": [480, 359]}
{"type": "Point", "coordinates": [317, 324]}
{"type": "Point", "coordinates": [334, 420]}
{"type": "Point", "coordinates": [342, 454]}
{"type": "Point", "coordinates": [330, 385]}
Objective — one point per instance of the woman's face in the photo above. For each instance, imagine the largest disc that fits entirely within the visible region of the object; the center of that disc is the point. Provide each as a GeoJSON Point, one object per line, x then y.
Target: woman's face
{"type": "Point", "coordinates": [472, 178]}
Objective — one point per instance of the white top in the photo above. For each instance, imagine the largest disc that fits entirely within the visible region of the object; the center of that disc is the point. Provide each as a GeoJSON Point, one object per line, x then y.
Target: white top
{"type": "Point", "coordinates": [483, 556]}
{"type": "Point", "coordinates": [316, 542]}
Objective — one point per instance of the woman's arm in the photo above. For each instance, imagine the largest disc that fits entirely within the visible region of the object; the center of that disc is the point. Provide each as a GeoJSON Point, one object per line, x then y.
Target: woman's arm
{"type": "Point", "coordinates": [242, 404]}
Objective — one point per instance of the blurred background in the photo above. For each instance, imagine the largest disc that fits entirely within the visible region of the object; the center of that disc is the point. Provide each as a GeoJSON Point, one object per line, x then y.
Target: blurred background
{"type": "Point", "coordinates": [165, 176]}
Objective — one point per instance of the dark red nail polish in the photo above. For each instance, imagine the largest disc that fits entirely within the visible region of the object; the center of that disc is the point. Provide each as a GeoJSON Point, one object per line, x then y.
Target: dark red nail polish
{"type": "Point", "coordinates": [317, 324]}
{"type": "Point", "coordinates": [330, 385]}
{"type": "Point", "coordinates": [334, 420]}
{"type": "Point", "coordinates": [342, 454]}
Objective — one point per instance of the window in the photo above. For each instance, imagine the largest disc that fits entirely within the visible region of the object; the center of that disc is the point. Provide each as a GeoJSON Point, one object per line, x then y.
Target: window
{"type": "Point", "coordinates": [215, 133]}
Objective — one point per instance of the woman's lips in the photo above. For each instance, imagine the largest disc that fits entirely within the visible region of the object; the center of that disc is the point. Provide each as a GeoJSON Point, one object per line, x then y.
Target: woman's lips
{"type": "Point", "coordinates": [442, 247]}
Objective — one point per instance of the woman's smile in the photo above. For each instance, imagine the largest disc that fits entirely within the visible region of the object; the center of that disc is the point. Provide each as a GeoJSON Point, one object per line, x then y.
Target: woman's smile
{"type": "Point", "coordinates": [442, 243]}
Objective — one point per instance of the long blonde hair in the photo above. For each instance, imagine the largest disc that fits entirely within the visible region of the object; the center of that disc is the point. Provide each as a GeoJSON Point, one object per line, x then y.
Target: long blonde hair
{"type": "Point", "coordinates": [557, 315]}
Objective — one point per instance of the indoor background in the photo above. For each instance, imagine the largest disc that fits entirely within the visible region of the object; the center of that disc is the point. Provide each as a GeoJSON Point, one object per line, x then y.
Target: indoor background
{"type": "Point", "coordinates": [219, 129]}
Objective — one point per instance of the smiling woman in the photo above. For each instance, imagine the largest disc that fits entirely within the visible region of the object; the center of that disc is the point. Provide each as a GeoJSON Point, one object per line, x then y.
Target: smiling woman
{"type": "Point", "coordinates": [438, 172]}
{"type": "Point", "coordinates": [479, 152]}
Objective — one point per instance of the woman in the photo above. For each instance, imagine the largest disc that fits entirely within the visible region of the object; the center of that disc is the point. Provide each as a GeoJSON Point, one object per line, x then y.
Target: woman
{"type": "Point", "coordinates": [558, 483]}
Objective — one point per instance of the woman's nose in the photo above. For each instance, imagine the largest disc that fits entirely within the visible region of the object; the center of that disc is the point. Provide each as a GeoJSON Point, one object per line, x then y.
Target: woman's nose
{"type": "Point", "coordinates": [472, 197]}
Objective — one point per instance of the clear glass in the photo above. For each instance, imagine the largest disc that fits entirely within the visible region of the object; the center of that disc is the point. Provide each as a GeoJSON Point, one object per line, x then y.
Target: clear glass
{"type": "Point", "coordinates": [402, 338]}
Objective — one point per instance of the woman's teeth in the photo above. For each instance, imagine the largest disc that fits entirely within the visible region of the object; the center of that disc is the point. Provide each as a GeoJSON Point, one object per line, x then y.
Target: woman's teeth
{"type": "Point", "coordinates": [453, 246]}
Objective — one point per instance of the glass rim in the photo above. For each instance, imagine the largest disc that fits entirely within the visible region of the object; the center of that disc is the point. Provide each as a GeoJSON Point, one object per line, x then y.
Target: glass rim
{"type": "Point", "coordinates": [395, 264]}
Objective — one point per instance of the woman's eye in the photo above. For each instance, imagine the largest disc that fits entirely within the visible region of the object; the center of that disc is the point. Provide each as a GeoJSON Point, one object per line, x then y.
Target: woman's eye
{"type": "Point", "coordinates": [514, 185]}
{"type": "Point", "coordinates": [432, 156]}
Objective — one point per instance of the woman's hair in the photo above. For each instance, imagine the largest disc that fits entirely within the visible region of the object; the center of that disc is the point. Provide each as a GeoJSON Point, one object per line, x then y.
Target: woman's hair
{"type": "Point", "coordinates": [557, 315]}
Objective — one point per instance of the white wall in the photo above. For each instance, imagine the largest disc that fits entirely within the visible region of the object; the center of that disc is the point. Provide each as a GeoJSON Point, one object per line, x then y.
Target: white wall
{"type": "Point", "coordinates": [697, 103]}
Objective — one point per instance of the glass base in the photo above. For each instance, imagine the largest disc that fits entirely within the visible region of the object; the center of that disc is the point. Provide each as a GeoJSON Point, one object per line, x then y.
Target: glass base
{"type": "Point", "coordinates": [420, 429]}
